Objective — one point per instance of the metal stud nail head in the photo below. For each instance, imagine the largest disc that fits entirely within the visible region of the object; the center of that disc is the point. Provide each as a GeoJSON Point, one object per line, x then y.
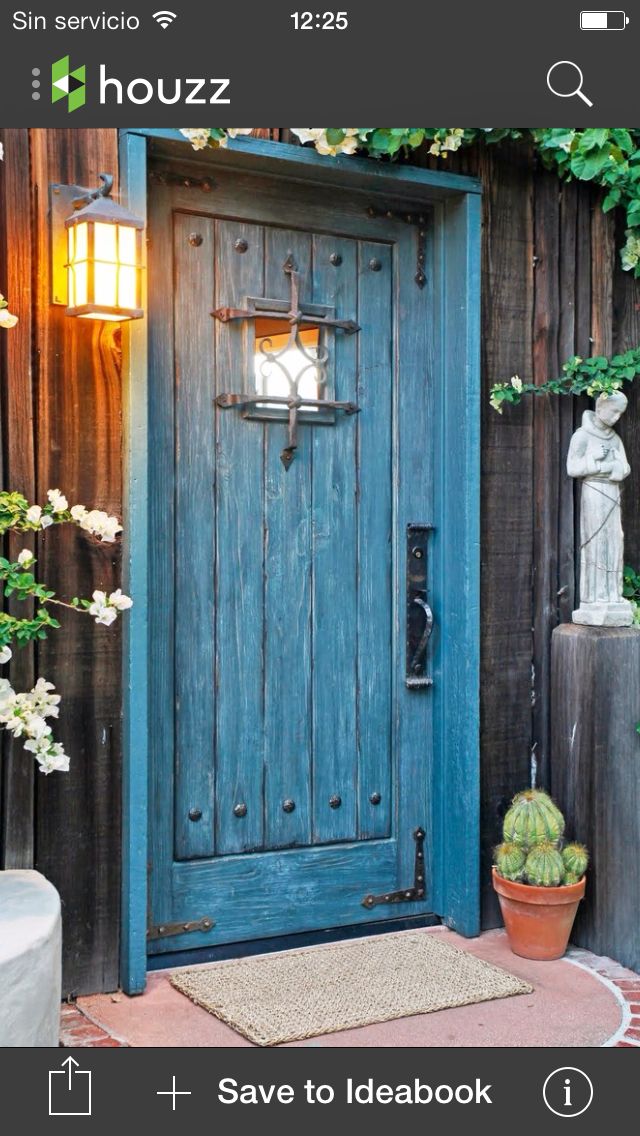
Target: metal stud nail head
{"type": "Point", "coordinates": [240, 810]}
{"type": "Point", "coordinates": [374, 264]}
{"type": "Point", "coordinates": [195, 814]}
{"type": "Point", "coordinates": [375, 798]}
{"type": "Point", "coordinates": [241, 245]}
{"type": "Point", "coordinates": [335, 801]}
{"type": "Point", "coordinates": [195, 240]}
{"type": "Point", "coordinates": [288, 805]}
{"type": "Point", "coordinates": [335, 259]}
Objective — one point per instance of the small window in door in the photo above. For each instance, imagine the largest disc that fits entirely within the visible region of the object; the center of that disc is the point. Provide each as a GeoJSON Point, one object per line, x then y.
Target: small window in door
{"type": "Point", "coordinates": [291, 361]}
{"type": "Point", "coordinates": [287, 369]}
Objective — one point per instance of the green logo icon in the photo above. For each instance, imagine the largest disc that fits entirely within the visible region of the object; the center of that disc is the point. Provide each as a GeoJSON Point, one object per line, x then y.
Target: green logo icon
{"type": "Point", "coordinates": [68, 84]}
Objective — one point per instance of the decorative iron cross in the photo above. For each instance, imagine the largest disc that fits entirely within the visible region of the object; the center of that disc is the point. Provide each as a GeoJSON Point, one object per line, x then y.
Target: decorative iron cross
{"type": "Point", "coordinates": [294, 401]}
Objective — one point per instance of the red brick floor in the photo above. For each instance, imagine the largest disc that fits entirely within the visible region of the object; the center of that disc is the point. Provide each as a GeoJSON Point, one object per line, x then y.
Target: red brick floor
{"type": "Point", "coordinates": [599, 1007]}
{"type": "Point", "coordinates": [78, 1031]}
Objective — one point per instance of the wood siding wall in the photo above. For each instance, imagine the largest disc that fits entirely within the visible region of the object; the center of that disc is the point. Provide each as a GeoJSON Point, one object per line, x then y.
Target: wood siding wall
{"type": "Point", "coordinates": [551, 287]}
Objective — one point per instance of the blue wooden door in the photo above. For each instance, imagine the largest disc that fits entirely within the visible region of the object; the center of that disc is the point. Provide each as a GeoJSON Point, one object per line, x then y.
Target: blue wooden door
{"type": "Point", "coordinates": [292, 730]}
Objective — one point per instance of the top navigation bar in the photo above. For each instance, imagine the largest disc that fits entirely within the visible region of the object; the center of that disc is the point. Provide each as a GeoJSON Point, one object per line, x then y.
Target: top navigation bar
{"type": "Point", "coordinates": [79, 63]}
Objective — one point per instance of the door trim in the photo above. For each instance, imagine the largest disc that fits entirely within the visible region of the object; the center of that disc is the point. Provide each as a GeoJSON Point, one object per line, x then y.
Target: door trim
{"type": "Point", "coordinates": [456, 545]}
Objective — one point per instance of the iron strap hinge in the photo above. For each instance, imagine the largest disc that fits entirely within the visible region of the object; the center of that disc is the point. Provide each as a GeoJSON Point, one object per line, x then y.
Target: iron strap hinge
{"type": "Point", "coordinates": [419, 220]}
{"type": "Point", "coordinates": [407, 895]}
{"type": "Point", "coordinates": [166, 930]}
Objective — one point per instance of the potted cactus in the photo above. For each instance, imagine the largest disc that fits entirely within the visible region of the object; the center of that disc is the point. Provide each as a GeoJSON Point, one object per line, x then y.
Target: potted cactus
{"type": "Point", "coordinates": [538, 878]}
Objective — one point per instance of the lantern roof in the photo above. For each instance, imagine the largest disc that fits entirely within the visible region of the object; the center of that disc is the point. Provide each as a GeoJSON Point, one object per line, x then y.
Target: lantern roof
{"type": "Point", "coordinates": [104, 209]}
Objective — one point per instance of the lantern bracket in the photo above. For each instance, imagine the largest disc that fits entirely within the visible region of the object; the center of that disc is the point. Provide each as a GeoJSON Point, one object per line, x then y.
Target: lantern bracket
{"type": "Point", "coordinates": [89, 195]}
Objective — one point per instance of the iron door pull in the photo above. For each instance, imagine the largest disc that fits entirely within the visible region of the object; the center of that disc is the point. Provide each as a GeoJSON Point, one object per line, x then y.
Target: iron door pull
{"type": "Point", "coordinates": [419, 615]}
{"type": "Point", "coordinates": [418, 661]}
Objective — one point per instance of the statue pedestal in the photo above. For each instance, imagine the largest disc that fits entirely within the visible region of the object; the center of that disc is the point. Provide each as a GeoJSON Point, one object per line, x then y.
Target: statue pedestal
{"type": "Point", "coordinates": [595, 776]}
{"type": "Point", "coordinates": [604, 614]}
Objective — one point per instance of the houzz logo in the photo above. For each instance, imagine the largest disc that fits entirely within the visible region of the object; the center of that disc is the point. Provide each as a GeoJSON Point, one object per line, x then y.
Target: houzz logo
{"type": "Point", "coordinates": [68, 84]}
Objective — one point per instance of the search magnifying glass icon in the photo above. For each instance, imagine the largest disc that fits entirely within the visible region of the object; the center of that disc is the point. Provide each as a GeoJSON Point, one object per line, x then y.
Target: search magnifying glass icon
{"type": "Point", "coordinates": [567, 81]}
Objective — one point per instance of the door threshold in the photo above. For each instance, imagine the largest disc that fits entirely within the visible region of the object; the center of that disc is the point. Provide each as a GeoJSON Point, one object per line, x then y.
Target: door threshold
{"type": "Point", "coordinates": [288, 942]}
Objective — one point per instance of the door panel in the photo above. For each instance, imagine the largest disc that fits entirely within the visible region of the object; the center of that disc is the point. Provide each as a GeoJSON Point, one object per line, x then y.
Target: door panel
{"type": "Point", "coordinates": [291, 765]}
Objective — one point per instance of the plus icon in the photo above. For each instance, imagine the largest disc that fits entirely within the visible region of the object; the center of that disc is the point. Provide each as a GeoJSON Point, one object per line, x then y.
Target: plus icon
{"type": "Point", "coordinates": [173, 1093]}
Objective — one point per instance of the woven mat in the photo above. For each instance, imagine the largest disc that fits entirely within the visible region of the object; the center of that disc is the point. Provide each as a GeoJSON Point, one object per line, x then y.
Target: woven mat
{"type": "Point", "coordinates": [271, 999]}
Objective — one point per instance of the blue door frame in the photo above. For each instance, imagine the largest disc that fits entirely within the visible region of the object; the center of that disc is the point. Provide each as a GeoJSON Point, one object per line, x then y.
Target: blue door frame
{"type": "Point", "coordinates": [456, 203]}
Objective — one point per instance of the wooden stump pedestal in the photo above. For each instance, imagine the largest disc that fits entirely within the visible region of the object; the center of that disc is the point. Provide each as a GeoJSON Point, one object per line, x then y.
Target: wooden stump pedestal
{"type": "Point", "coordinates": [595, 776]}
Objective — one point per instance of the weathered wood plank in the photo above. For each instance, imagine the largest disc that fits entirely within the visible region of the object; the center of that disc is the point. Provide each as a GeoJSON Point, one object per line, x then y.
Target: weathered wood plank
{"type": "Point", "coordinates": [287, 594]}
{"type": "Point", "coordinates": [335, 559]}
{"type": "Point", "coordinates": [506, 544]}
{"type": "Point", "coordinates": [546, 463]}
{"type": "Point", "coordinates": [602, 269]}
{"type": "Point", "coordinates": [239, 584]}
{"type": "Point", "coordinates": [626, 334]}
{"type": "Point", "coordinates": [596, 777]}
{"type": "Point", "coordinates": [17, 407]}
{"type": "Point", "coordinates": [195, 522]}
{"type": "Point", "coordinates": [568, 287]}
{"type": "Point", "coordinates": [376, 391]}
{"type": "Point", "coordinates": [79, 450]}
{"type": "Point", "coordinates": [161, 536]}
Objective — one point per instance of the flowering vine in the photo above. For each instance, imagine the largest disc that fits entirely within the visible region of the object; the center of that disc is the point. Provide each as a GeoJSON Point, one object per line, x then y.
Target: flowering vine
{"type": "Point", "coordinates": [594, 376]}
{"type": "Point", "coordinates": [24, 714]}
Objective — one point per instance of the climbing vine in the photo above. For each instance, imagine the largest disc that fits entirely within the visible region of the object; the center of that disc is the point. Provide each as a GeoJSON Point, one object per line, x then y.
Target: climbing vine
{"type": "Point", "coordinates": [607, 156]}
{"type": "Point", "coordinates": [594, 376]}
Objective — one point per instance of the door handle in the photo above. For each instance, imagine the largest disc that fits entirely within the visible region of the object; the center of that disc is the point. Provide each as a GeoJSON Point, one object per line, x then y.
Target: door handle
{"type": "Point", "coordinates": [419, 616]}
{"type": "Point", "coordinates": [418, 660]}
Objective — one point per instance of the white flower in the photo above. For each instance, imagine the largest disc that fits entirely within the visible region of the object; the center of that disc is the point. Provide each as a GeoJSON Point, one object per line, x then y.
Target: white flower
{"type": "Point", "coordinates": [25, 558]}
{"type": "Point", "coordinates": [57, 500]}
{"type": "Point", "coordinates": [5, 655]}
{"type": "Point", "coordinates": [78, 512]}
{"type": "Point", "coordinates": [100, 524]}
{"type": "Point", "coordinates": [55, 760]}
{"type": "Point", "coordinates": [233, 131]}
{"type": "Point", "coordinates": [101, 609]}
{"type": "Point", "coordinates": [7, 319]}
{"type": "Point", "coordinates": [37, 729]}
{"type": "Point", "coordinates": [7, 696]}
{"type": "Point", "coordinates": [516, 383]}
{"type": "Point", "coordinates": [24, 716]}
{"type": "Point", "coordinates": [199, 138]}
{"type": "Point", "coordinates": [42, 702]}
{"type": "Point", "coordinates": [118, 600]}
{"type": "Point", "coordinates": [33, 514]}
{"type": "Point", "coordinates": [307, 134]}
{"type": "Point", "coordinates": [45, 521]}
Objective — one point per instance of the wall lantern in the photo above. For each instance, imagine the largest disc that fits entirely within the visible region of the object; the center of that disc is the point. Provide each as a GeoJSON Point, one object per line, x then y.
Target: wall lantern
{"type": "Point", "coordinates": [96, 253]}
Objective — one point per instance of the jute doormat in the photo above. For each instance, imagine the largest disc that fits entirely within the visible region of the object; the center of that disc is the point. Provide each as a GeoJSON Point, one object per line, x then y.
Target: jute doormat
{"type": "Point", "coordinates": [275, 998]}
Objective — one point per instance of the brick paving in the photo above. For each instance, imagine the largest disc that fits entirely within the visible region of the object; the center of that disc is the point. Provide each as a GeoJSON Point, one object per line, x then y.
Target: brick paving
{"type": "Point", "coordinates": [78, 1031]}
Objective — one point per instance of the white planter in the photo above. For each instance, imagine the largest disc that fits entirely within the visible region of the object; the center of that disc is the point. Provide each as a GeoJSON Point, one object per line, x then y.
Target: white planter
{"type": "Point", "coordinates": [30, 960]}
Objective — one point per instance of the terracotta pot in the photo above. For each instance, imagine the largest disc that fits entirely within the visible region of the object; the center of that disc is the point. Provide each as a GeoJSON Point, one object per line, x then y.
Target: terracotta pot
{"type": "Point", "coordinates": [538, 920]}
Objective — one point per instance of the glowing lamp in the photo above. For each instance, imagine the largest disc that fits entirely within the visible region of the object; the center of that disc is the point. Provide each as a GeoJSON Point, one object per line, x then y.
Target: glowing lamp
{"type": "Point", "coordinates": [104, 256]}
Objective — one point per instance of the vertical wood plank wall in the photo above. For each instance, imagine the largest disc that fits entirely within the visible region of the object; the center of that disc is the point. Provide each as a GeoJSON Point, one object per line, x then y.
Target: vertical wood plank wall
{"type": "Point", "coordinates": [551, 287]}
{"type": "Point", "coordinates": [61, 416]}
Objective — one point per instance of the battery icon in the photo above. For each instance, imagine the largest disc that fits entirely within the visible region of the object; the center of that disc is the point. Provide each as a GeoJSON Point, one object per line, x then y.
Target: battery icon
{"type": "Point", "coordinates": [603, 21]}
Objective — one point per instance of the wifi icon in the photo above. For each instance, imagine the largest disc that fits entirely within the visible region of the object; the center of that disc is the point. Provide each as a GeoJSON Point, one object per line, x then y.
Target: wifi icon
{"type": "Point", "coordinates": [164, 18]}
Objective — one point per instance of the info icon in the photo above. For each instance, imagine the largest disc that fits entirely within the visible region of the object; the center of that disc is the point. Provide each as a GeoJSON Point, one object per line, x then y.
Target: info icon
{"type": "Point", "coordinates": [567, 1091]}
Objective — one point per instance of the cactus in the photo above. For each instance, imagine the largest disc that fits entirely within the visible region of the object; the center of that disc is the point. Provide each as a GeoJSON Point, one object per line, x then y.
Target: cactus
{"type": "Point", "coordinates": [509, 860]}
{"type": "Point", "coordinates": [532, 819]}
{"type": "Point", "coordinates": [575, 858]}
{"type": "Point", "coordinates": [544, 866]}
{"type": "Point", "coordinates": [570, 878]}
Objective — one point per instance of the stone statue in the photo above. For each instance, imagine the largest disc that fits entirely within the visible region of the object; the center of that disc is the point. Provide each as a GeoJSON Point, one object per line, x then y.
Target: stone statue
{"type": "Point", "coordinates": [596, 455]}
